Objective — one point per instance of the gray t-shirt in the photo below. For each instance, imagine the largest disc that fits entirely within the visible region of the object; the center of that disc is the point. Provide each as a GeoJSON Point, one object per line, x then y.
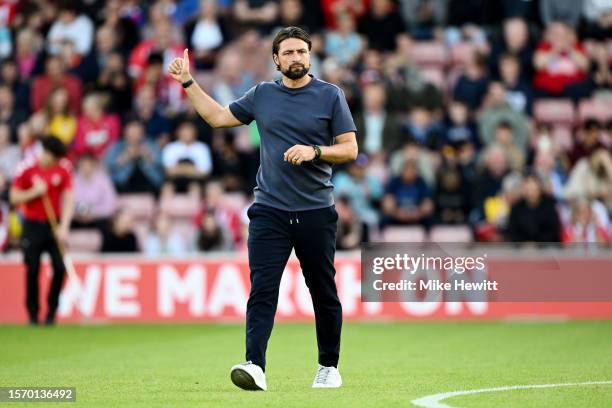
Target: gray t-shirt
{"type": "Point", "coordinates": [311, 115]}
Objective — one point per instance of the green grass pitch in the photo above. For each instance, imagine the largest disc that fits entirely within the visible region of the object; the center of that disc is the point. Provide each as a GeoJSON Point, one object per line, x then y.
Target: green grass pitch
{"type": "Point", "coordinates": [382, 364]}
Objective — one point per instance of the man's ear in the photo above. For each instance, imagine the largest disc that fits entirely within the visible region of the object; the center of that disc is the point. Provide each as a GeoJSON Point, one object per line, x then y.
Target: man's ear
{"type": "Point", "coordinates": [275, 58]}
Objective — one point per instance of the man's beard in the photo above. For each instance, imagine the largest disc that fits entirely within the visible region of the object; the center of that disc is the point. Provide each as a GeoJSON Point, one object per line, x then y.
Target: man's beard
{"type": "Point", "coordinates": [299, 72]}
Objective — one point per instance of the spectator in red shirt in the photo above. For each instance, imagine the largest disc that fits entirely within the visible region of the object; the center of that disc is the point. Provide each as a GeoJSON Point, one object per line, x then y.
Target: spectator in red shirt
{"type": "Point", "coordinates": [162, 43]}
{"type": "Point", "coordinates": [96, 129]}
{"type": "Point", "coordinates": [585, 224]}
{"type": "Point", "coordinates": [146, 62]}
{"type": "Point", "coordinates": [50, 175]}
{"type": "Point", "coordinates": [333, 8]}
{"type": "Point", "coordinates": [561, 64]}
{"type": "Point", "coordinates": [55, 76]}
{"type": "Point", "coordinates": [166, 92]}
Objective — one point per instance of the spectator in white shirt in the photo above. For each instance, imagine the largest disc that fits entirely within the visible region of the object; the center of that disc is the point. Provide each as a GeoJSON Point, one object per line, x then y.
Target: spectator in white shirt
{"type": "Point", "coordinates": [206, 34]}
{"type": "Point", "coordinates": [187, 162]}
{"type": "Point", "coordinates": [163, 240]}
{"type": "Point", "coordinates": [71, 26]}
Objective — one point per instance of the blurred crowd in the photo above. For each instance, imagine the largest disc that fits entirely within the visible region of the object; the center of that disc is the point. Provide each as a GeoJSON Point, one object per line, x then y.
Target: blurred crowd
{"type": "Point", "coordinates": [490, 114]}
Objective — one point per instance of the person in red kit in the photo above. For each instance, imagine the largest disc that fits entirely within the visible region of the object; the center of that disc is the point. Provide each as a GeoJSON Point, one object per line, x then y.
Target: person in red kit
{"type": "Point", "coordinates": [50, 174]}
{"type": "Point", "coordinates": [96, 129]}
{"type": "Point", "coordinates": [561, 64]}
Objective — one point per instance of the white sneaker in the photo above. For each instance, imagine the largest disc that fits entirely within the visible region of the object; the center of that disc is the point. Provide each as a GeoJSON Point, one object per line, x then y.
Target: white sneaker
{"type": "Point", "coordinates": [327, 377]}
{"type": "Point", "coordinates": [249, 376]}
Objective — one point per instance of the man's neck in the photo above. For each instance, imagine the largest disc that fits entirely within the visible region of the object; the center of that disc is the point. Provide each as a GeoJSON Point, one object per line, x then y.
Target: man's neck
{"type": "Point", "coordinates": [511, 82]}
{"type": "Point", "coordinates": [47, 165]}
{"type": "Point", "coordinates": [375, 112]}
{"type": "Point", "coordinates": [296, 83]}
{"type": "Point", "coordinates": [533, 202]}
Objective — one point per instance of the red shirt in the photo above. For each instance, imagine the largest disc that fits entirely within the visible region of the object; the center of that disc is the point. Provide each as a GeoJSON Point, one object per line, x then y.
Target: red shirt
{"type": "Point", "coordinates": [330, 7]}
{"type": "Point", "coordinates": [58, 179]}
{"type": "Point", "coordinates": [167, 90]}
{"type": "Point", "coordinates": [95, 136]}
{"type": "Point", "coordinates": [560, 71]}
{"type": "Point", "coordinates": [7, 12]}
{"type": "Point", "coordinates": [137, 61]}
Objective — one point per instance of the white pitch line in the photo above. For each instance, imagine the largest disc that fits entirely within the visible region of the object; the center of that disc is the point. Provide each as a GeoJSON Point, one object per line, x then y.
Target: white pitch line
{"type": "Point", "coordinates": [434, 401]}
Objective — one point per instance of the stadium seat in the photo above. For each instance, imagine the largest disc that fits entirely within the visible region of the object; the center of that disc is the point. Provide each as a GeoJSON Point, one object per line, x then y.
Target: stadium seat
{"type": "Point", "coordinates": [413, 233]}
{"type": "Point", "coordinates": [429, 54]}
{"type": "Point", "coordinates": [84, 241]}
{"type": "Point", "coordinates": [462, 52]}
{"type": "Point", "coordinates": [599, 109]}
{"type": "Point", "coordinates": [562, 135]}
{"type": "Point", "coordinates": [452, 77]}
{"type": "Point", "coordinates": [451, 233]}
{"type": "Point", "coordinates": [556, 111]}
{"type": "Point", "coordinates": [141, 206]}
{"type": "Point", "coordinates": [436, 77]}
{"type": "Point", "coordinates": [180, 205]}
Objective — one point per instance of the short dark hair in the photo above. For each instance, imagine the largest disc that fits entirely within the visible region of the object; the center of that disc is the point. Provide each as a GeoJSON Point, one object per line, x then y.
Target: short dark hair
{"type": "Point", "coordinates": [504, 124]}
{"type": "Point", "coordinates": [69, 5]}
{"type": "Point", "coordinates": [509, 56]}
{"type": "Point", "coordinates": [530, 173]}
{"type": "Point", "coordinates": [480, 59]}
{"type": "Point", "coordinates": [88, 155]}
{"type": "Point", "coordinates": [54, 146]}
{"type": "Point", "coordinates": [187, 123]}
{"type": "Point", "coordinates": [290, 32]}
{"type": "Point", "coordinates": [129, 118]}
{"type": "Point", "coordinates": [155, 58]}
{"type": "Point", "coordinates": [591, 124]}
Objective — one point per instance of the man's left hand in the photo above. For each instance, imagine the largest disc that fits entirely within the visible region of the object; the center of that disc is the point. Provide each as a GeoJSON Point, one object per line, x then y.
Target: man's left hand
{"type": "Point", "coordinates": [298, 154]}
{"type": "Point", "coordinates": [61, 234]}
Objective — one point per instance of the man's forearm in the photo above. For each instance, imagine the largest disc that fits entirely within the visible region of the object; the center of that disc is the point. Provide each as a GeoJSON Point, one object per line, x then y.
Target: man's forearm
{"type": "Point", "coordinates": [213, 113]}
{"type": "Point", "coordinates": [207, 107]}
{"type": "Point", "coordinates": [339, 153]}
{"type": "Point", "coordinates": [67, 210]}
{"type": "Point", "coordinates": [18, 197]}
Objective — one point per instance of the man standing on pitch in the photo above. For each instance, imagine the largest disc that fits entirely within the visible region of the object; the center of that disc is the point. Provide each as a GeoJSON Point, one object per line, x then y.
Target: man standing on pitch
{"type": "Point", "coordinates": [48, 178]}
{"type": "Point", "coordinates": [305, 126]}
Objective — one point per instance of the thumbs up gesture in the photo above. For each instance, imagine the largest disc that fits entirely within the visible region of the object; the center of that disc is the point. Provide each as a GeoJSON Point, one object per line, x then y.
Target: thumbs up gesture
{"type": "Point", "coordinates": [179, 68]}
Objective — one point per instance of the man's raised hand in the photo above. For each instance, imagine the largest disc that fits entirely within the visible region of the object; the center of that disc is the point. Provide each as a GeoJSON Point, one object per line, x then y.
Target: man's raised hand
{"type": "Point", "coordinates": [179, 68]}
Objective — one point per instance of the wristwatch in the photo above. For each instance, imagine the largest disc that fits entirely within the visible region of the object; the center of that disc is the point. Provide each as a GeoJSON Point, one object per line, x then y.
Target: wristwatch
{"type": "Point", "coordinates": [317, 150]}
{"type": "Point", "coordinates": [187, 84]}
